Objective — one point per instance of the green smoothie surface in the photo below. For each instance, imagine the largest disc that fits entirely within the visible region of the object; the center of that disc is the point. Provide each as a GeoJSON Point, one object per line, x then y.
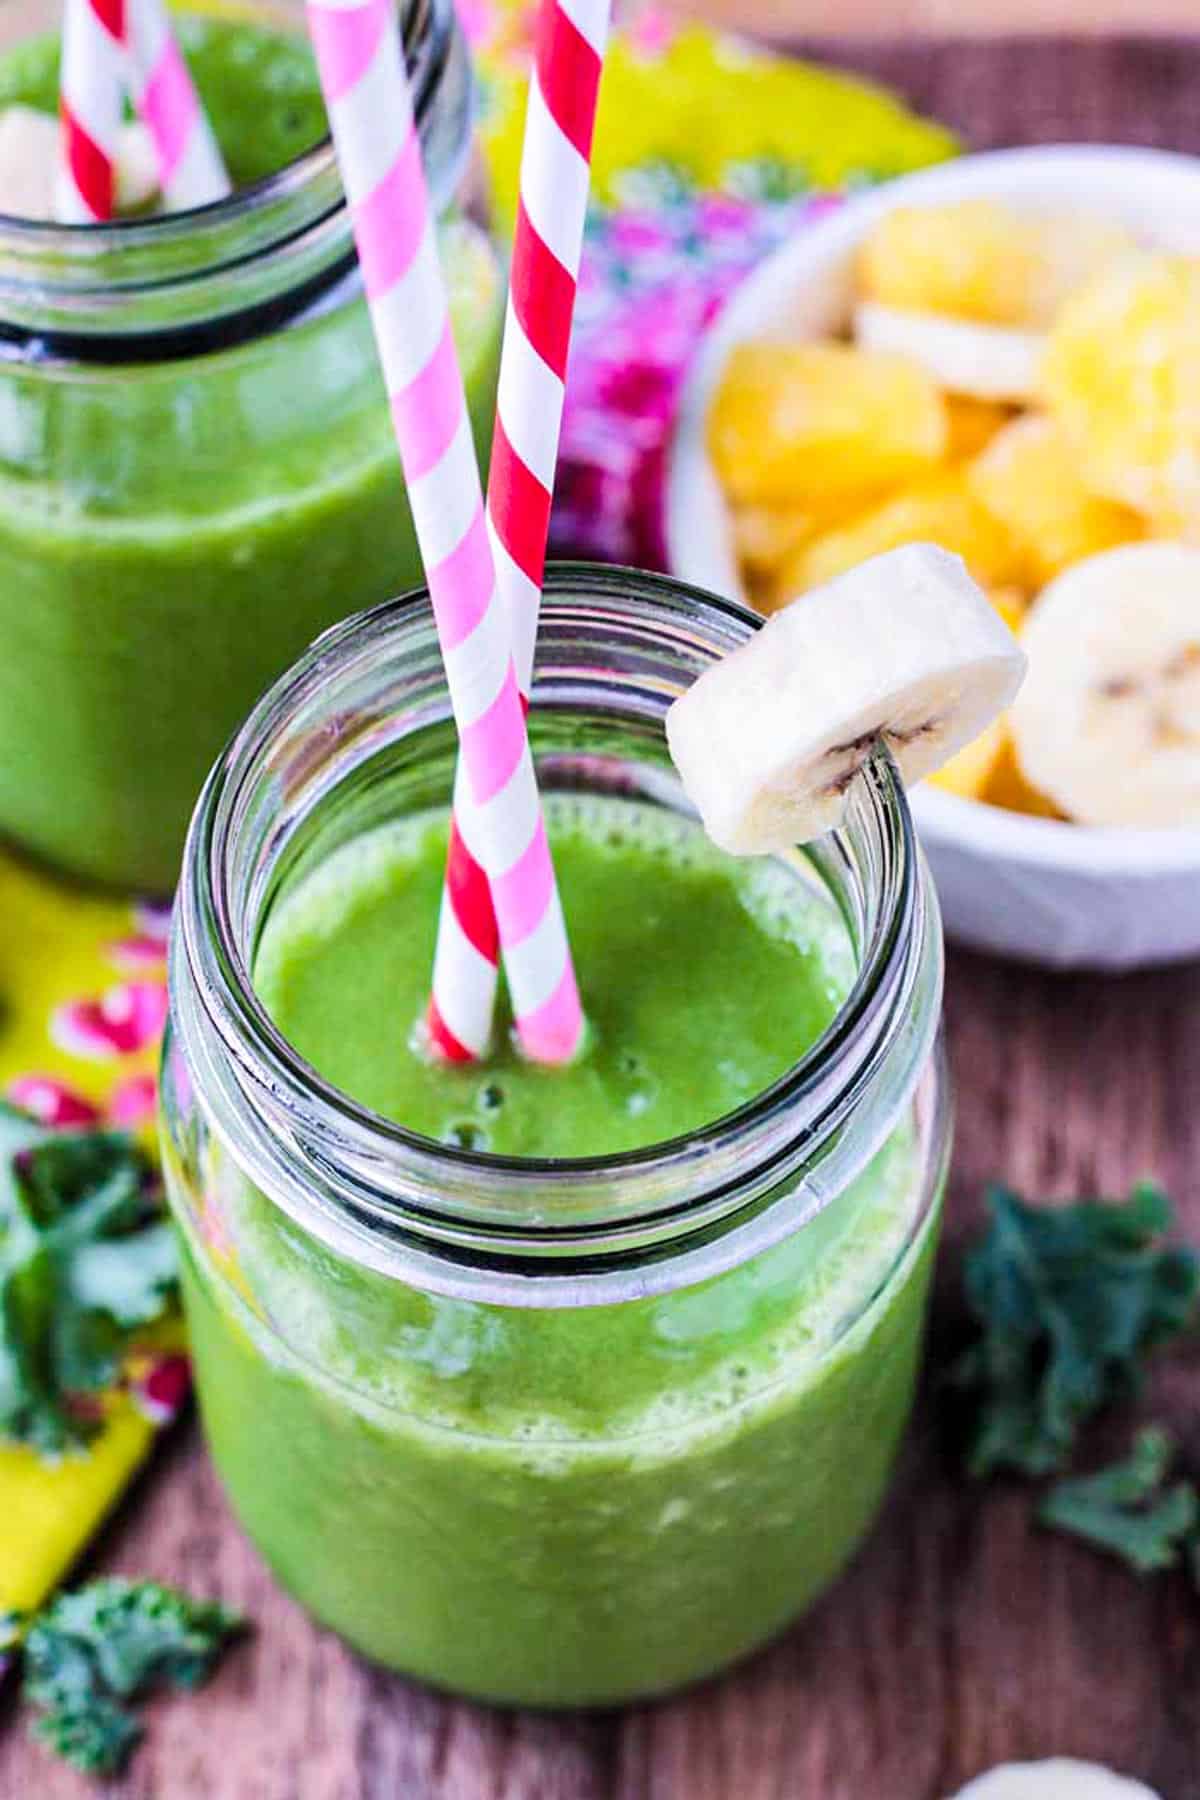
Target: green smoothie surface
{"type": "Point", "coordinates": [703, 980]}
{"type": "Point", "coordinates": [258, 85]}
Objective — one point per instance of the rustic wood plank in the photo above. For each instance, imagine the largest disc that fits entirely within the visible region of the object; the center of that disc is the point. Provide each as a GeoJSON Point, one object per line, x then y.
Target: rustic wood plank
{"type": "Point", "coordinates": [931, 18]}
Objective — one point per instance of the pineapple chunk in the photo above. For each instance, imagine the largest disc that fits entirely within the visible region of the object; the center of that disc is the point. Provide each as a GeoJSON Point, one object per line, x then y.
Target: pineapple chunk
{"type": "Point", "coordinates": [978, 260]}
{"type": "Point", "coordinates": [968, 773]}
{"type": "Point", "coordinates": [940, 510]}
{"type": "Point", "coordinates": [1122, 379]}
{"type": "Point", "coordinates": [765, 536]}
{"type": "Point", "coordinates": [1011, 604]}
{"type": "Point", "coordinates": [972, 259]}
{"type": "Point", "coordinates": [1028, 477]}
{"type": "Point", "coordinates": [973, 423]}
{"type": "Point", "coordinates": [806, 425]}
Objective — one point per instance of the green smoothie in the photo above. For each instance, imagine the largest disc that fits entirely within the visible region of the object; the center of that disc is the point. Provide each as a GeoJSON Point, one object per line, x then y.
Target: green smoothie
{"type": "Point", "coordinates": [177, 523]}
{"type": "Point", "coordinates": [575, 1505]}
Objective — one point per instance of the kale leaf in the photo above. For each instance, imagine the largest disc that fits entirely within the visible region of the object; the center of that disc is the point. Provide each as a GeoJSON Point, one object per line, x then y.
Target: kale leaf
{"type": "Point", "coordinates": [1068, 1300]}
{"type": "Point", "coordinates": [1125, 1509]}
{"type": "Point", "coordinates": [109, 1642]}
{"type": "Point", "coordinates": [85, 1255]}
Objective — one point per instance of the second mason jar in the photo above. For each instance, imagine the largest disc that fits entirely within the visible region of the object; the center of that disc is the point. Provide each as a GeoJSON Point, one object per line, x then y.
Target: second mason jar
{"type": "Point", "coordinates": [529, 1418]}
{"type": "Point", "coordinates": [197, 469]}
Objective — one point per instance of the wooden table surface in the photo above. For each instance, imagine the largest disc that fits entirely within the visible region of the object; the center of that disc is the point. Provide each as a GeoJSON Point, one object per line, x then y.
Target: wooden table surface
{"type": "Point", "coordinates": [962, 1635]}
{"type": "Point", "coordinates": [967, 18]}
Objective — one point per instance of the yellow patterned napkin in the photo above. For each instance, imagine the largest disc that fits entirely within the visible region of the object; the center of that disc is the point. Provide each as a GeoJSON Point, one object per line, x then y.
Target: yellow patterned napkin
{"type": "Point", "coordinates": [82, 1000]}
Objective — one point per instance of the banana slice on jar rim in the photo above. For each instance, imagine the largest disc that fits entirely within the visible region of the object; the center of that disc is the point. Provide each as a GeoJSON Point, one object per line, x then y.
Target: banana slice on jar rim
{"type": "Point", "coordinates": [1107, 723]}
{"type": "Point", "coordinates": [905, 650]}
{"type": "Point", "coordinates": [1059, 1778]}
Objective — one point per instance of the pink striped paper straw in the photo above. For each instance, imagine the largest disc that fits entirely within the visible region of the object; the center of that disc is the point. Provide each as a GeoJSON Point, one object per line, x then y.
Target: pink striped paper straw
{"type": "Point", "coordinates": [91, 96]}
{"type": "Point", "coordinates": [555, 169]}
{"type": "Point", "coordinates": [190, 169]}
{"type": "Point", "coordinates": [370, 113]}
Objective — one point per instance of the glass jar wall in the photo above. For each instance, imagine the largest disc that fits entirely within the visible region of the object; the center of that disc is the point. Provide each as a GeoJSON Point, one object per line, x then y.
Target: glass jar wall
{"type": "Point", "coordinates": [546, 1431]}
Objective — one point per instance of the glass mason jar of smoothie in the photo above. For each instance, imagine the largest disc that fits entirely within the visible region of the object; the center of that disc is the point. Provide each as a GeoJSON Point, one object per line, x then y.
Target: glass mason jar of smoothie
{"type": "Point", "coordinates": [551, 1387]}
{"type": "Point", "coordinates": [197, 472]}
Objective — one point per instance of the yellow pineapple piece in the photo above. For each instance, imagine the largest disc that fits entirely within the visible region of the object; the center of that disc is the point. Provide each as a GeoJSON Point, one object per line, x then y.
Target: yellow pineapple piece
{"type": "Point", "coordinates": [765, 536]}
{"type": "Point", "coordinates": [1011, 604]}
{"type": "Point", "coordinates": [1122, 378]}
{"type": "Point", "coordinates": [972, 259]}
{"type": "Point", "coordinates": [973, 423]}
{"type": "Point", "coordinates": [968, 773]}
{"type": "Point", "coordinates": [1006, 786]}
{"type": "Point", "coordinates": [804, 425]}
{"type": "Point", "coordinates": [939, 510]}
{"type": "Point", "coordinates": [1028, 477]}
{"type": "Point", "coordinates": [978, 260]}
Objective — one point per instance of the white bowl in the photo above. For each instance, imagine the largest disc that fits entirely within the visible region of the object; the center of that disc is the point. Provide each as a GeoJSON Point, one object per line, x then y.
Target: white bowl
{"type": "Point", "coordinates": [1035, 889]}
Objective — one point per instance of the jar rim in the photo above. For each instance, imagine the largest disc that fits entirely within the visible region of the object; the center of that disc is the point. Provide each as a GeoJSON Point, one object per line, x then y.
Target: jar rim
{"type": "Point", "coordinates": [683, 1182]}
{"type": "Point", "coordinates": [281, 242]}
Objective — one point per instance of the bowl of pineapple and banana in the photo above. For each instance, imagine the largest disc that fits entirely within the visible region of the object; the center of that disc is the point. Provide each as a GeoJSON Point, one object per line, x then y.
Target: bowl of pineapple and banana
{"type": "Point", "coordinates": [1000, 356]}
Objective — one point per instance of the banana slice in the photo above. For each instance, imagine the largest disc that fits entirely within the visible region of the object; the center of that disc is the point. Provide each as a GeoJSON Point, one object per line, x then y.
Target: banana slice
{"type": "Point", "coordinates": [135, 169]}
{"type": "Point", "coordinates": [1061, 1778]}
{"type": "Point", "coordinates": [1108, 722]}
{"type": "Point", "coordinates": [29, 153]}
{"type": "Point", "coordinates": [905, 648]}
{"type": "Point", "coordinates": [28, 162]}
{"type": "Point", "coordinates": [990, 362]}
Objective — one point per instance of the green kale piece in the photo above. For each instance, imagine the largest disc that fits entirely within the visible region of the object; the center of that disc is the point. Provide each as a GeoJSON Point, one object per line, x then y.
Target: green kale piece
{"type": "Point", "coordinates": [109, 1642]}
{"type": "Point", "coordinates": [1125, 1509]}
{"type": "Point", "coordinates": [1069, 1300]}
{"type": "Point", "coordinates": [85, 1256]}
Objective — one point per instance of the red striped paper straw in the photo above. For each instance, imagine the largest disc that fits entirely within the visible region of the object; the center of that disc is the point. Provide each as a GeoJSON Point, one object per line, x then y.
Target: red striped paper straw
{"type": "Point", "coordinates": [370, 113]}
{"type": "Point", "coordinates": [555, 169]}
{"type": "Point", "coordinates": [91, 97]}
{"type": "Point", "coordinates": [190, 168]}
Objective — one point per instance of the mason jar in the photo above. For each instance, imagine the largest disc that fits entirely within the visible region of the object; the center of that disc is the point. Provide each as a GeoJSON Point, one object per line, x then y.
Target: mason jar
{"type": "Point", "coordinates": [197, 470]}
{"type": "Point", "coordinates": [548, 1432]}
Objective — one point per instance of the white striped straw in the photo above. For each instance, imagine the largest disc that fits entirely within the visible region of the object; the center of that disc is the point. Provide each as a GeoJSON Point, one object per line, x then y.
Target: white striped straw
{"type": "Point", "coordinates": [91, 99]}
{"type": "Point", "coordinates": [555, 167]}
{"type": "Point", "coordinates": [191, 171]}
{"type": "Point", "coordinates": [370, 112]}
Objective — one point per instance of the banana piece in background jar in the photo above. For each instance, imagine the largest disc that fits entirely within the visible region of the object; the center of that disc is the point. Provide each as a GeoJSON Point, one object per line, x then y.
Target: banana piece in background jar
{"type": "Point", "coordinates": [29, 160]}
{"type": "Point", "coordinates": [29, 149]}
{"type": "Point", "coordinates": [1107, 725]}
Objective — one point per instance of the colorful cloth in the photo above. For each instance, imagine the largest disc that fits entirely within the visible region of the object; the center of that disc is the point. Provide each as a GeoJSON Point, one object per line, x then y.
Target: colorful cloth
{"type": "Point", "coordinates": [707, 155]}
{"type": "Point", "coordinates": [82, 1004]}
